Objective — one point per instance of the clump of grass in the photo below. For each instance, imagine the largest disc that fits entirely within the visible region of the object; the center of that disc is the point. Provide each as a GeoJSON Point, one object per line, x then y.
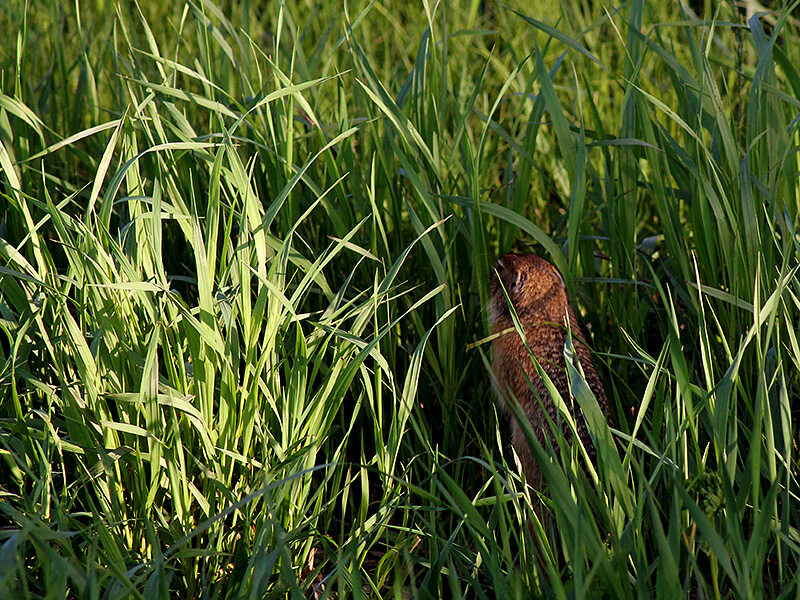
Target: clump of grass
{"type": "Point", "coordinates": [245, 262]}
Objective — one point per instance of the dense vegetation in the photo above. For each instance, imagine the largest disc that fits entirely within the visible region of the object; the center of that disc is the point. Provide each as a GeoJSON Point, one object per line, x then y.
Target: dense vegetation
{"type": "Point", "coordinates": [244, 256]}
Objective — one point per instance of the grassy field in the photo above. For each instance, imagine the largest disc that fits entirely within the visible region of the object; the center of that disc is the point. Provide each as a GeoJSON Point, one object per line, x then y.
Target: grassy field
{"type": "Point", "coordinates": [244, 258]}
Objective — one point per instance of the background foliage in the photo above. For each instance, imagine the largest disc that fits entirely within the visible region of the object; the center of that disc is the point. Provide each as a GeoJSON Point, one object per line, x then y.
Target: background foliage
{"type": "Point", "coordinates": [245, 253]}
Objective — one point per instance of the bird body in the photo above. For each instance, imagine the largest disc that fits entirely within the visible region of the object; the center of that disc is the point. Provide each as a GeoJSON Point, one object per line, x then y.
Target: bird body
{"type": "Point", "coordinates": [537, 292]}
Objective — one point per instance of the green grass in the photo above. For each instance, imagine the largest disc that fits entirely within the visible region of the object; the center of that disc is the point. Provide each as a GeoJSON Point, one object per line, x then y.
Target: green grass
{"type": "Point", "coordinates": [244, 257]}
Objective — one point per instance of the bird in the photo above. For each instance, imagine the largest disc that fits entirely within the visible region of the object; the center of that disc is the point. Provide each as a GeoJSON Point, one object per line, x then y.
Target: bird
{"type": "Point", "coordinates": [538, 295]}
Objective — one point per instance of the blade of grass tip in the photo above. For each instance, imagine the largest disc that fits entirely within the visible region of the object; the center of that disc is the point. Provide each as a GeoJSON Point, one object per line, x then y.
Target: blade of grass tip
{"type": "Point", "coordinates": [391, 274]}
{"type": "Point", "coordinates": [14, 256]}
{"type": "Point", "coordinates": [16, 192]}
{"type": "Point", "coordinates": [86, 364]}
{"type": "Point", "coordinates": [557, 34]}
{"type": "Point", "coordinates": [251, 223]}
{"type": "Point", "coordinates": [100, 175]}
{"type": "Point", "coordinates": [720, 295]}
{"type": "Point", "coordinates": [315, 271]}
{"type": "Point", "coordinates": [155, 425]}
{"type": "Point", "coordinates": [703, 331]}
{"type": "Point", "coordinates": [68, 141]}
{"type": "Point", "coordinates": [172, 400]}
{"type": "Point", "coordinates": [289, 89]}
{"type": "Point", "coordinates": [205, 279]}
{"type": "Point", "coordinates": [213, 106]}
{"type": "Point", "coordinates": [213, 210]}
{"type": "Point", "coordinates": [25, 114]}
{"type": "Point", "coordinates": [119, 176]}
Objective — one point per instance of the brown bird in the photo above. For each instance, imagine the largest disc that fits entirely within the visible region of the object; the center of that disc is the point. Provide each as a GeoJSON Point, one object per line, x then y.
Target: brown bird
{"type": "Point", "coordinates": [537, 292]}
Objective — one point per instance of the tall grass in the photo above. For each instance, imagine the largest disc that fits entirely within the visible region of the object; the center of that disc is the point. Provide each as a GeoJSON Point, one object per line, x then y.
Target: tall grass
{"type": "Point", "coordinates": [245, 255]}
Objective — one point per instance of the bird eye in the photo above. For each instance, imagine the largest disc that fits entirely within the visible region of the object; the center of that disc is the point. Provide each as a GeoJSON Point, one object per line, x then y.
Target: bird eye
{"type": "Point", "coordinates": [499, 267]}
